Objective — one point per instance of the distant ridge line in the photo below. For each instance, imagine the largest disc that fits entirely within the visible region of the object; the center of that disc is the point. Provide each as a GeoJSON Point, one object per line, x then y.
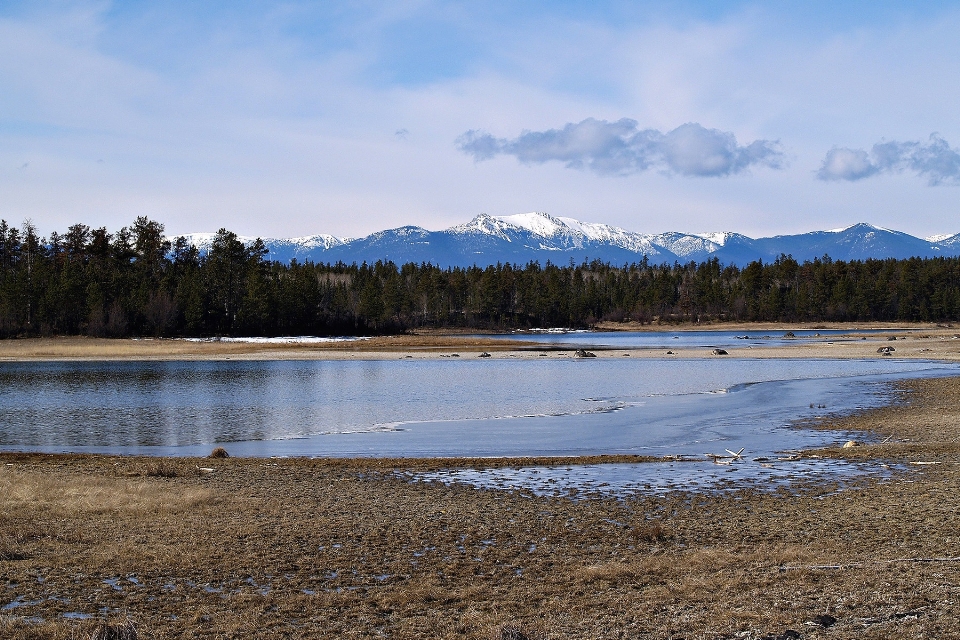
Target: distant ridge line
{"type": "Point", "coordinates": [540, 237]}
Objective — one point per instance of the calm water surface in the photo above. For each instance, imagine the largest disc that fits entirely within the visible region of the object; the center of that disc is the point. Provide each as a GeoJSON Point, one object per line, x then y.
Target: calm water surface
{"type": "Point", "coordinates": [470, 407]}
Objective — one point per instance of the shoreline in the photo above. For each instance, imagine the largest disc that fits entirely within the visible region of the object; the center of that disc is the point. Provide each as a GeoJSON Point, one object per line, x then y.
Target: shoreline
{"type": "Point", "coordinates": [923, 342]}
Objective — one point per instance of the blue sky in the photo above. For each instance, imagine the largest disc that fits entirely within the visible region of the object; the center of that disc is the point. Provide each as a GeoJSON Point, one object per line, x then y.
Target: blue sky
{"type": "Point", "coordinates": [295, 118]}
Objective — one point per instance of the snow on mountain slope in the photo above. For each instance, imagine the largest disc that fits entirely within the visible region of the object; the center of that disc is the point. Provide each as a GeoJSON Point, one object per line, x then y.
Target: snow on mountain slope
{"type": "Point", "coordinates": [550, 233]}
{"type": "Point", "coordinates": [320, 241]}
{"type": "Point", "coordinates": [537, 223]}
{"type": "Point", "coordinates": [537, 231]}
{"type": "Point", "coordinates": [483, 224]}
{"type": "Point", "coordinates": [616, 237]}
{"type": "Point", "coordinates": [721, 238]}
{"type": "Point", "coordinates": [949, 242]}
{"type": "Point", "coordinates": [539, 236]}
{"type": "Point", "coordinates": [686, 245]}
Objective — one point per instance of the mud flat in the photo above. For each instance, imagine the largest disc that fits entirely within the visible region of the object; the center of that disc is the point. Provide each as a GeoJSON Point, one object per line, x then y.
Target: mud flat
{"type": "Point", "coordinates": [295, 548]}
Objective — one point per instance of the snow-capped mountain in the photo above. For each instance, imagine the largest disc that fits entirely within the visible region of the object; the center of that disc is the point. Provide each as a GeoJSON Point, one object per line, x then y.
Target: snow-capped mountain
{"type": "Point", "coordinates": [540, 237]}
{"type": "Point", "coordinates": [282, 249]}
{"type": "Point", "coordinates": [949, 244]}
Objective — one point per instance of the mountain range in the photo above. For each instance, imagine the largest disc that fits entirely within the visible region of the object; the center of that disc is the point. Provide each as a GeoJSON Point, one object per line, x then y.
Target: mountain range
{"type": "Point", "coordinates": [526, 237]}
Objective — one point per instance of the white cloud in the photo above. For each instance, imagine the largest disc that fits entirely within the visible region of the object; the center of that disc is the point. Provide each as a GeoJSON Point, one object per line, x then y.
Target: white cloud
{"type": "Point", "coordinates": [934, 160]}
{"type": "Point", "coordinates": [622, 148]}
{"type": "Point", "coordinates": [846, 164]}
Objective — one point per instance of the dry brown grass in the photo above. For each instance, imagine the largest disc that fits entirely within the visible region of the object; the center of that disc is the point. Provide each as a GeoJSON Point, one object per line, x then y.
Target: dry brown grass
{"type": "Point", "coordinates": [81, 494]}
{"type": "Point", "coordinates": [81, 348]}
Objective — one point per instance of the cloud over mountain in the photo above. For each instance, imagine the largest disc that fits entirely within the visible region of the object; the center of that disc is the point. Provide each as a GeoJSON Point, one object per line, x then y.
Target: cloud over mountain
{"type": "Point", "coordinates": [934, 160]}
{"type": "Point", "coordinates": [622, 148]}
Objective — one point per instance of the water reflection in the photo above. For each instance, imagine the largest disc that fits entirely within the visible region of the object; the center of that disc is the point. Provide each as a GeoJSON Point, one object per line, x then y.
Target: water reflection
{"type": "Point", "coordinates": [448, 407]}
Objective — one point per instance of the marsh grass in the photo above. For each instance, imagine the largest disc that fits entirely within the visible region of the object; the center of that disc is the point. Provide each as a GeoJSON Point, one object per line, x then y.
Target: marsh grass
{"type": "Point", "coordinates": [80, 494]}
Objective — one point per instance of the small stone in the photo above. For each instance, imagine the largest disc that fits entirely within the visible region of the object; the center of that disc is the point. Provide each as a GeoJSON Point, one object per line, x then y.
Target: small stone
{"type": "Point", "coordinates": [823, 620]}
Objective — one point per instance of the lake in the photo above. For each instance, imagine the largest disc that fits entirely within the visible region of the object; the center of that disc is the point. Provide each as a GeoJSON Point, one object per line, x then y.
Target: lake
{"type": "Point", "coordinates": [465, 407]}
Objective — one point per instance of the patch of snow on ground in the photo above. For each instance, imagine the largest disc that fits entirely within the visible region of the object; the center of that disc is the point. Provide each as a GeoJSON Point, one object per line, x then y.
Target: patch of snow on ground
{"type": "Point", "coordinates": [281, 339]}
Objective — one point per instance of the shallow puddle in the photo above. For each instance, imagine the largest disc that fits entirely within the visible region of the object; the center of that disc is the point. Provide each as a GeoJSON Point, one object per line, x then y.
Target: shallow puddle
{"type": "Point", "coordinates": [657, 478]}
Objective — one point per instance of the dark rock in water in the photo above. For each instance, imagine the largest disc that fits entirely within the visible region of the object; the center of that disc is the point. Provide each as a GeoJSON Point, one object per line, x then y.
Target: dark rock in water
{"type": "Point", "coordinates": [582, 353]}
{"type": "Point", "coordinates": [484, 355]}
{"type": "Point", "coordinates": [823, 620]}
{"type": "Point", "coordinates": [789, 334]}
{"type": "Point", "coordinates": [720, 352]}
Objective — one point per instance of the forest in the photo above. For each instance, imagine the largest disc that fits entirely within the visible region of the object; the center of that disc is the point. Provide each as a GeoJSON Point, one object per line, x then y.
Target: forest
{"type": "Point", "coordinates": [136, 282]}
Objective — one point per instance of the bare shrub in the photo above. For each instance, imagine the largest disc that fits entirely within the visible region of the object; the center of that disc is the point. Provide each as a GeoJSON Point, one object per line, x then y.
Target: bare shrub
{"type": "Point", "coordinates": [125, 630]}
{"type": "Point", "coordinates": [514, 631]}
{"type": "Point", "coordinates": [161, 312]}
{"type": "Point", "coordinates": [650, 532]}
{"type": "Point", "coordinates": [9, 551]}
{"type": "Point", "coordinates": [219, 452]}
{"type": "Point", "coordinates": [162, 469]}
{"type": "Point", "coordinates": [116, 321]}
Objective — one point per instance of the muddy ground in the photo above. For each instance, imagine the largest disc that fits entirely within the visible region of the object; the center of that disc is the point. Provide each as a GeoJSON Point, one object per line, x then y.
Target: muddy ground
{"type": "Point", "coordinates": [258, 548]}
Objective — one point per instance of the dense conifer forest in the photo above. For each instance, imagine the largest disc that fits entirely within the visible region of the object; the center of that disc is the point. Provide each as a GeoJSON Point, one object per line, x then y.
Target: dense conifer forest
{"type": "Point", "coordinates": [135, 282]}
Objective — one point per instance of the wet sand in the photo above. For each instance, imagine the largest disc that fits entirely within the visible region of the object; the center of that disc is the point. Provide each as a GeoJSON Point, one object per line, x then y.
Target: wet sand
{"type": "Point", "coordinates": [244, 548]}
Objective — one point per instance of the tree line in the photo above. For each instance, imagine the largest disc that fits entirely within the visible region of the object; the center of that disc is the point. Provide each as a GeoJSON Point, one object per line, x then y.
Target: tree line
{"type": "Point", "coordinates": [136, 282]}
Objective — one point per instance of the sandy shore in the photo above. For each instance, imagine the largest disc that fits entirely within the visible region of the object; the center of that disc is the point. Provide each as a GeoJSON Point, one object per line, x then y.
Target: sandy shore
{"type": "Point", "coordinates": [244, 548]}
{"type": "Point", "coordinates": [907, 341]}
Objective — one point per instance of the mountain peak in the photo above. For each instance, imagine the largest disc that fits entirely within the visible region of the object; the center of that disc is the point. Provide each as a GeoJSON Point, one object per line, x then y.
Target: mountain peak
{"type": "Point", "coordinates": [860, 227]}
{"type": "Point", "coordinates": [537, 223]}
